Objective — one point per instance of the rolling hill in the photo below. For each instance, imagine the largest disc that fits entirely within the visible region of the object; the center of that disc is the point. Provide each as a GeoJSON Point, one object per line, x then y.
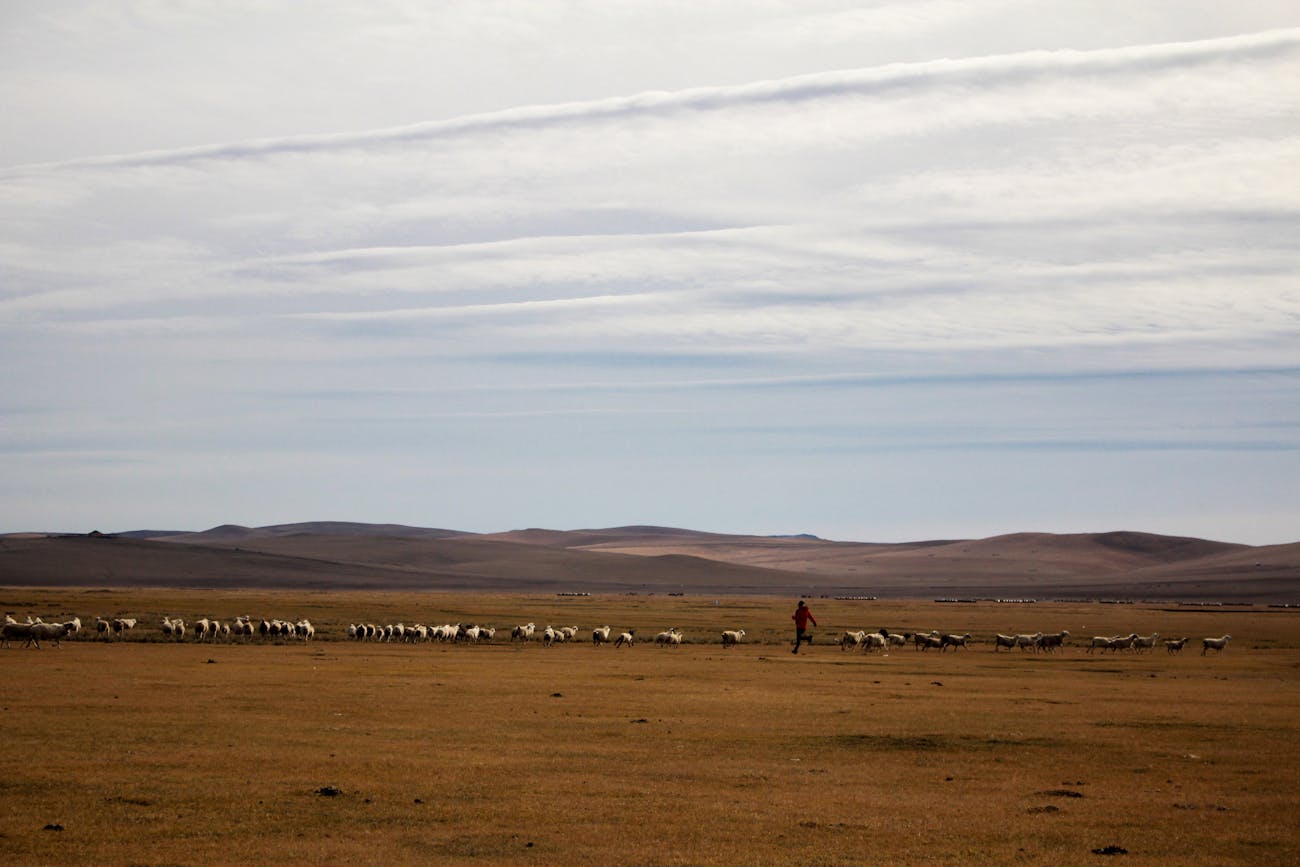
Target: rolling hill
{"type": "Point", "coordinates": [337, 555]}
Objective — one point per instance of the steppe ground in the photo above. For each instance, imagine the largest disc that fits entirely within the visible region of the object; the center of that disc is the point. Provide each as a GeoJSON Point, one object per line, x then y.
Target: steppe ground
{"type": "Point", "coordinates": [333, 752]}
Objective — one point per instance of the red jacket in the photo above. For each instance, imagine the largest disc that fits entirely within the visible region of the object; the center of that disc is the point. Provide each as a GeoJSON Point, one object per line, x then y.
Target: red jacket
{"type": "Point", "coordinates": [801, 617]}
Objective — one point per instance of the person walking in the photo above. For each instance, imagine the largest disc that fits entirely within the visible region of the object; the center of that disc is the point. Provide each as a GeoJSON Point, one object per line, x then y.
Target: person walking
{"type": "Point", "coordinates": [802, 617]}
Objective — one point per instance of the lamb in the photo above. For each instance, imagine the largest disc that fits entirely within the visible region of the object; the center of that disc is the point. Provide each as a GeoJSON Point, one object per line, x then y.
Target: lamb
{"type": "Point", "coordinates": [1215, 644]}
{"type": "Point", "coordinates": [948, 640]}
{"type": "Point", "coordinates": [626, 638]}
{"type": "Point", "coordinates": [1175, 645]}
{"type": "Point", "coordinates": [732, 637]}
{"type": "Point", "coordinates": [852, 639]}
{"type": "Point", "coordinates": [600, 635]}
{"type": "Point", "coordinates": [1000, 640]}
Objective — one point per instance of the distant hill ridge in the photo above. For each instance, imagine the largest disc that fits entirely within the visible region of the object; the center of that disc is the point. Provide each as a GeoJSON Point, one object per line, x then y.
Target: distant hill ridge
{"type": "Point", "coordinates": [351, 555]}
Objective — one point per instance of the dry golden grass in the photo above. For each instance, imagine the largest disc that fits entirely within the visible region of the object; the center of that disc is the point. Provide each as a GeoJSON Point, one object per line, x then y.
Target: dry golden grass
{"type": "Point", "coordinates": [153, 753]}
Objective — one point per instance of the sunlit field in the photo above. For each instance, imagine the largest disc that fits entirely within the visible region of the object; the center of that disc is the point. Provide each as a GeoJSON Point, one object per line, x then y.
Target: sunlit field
{"type": "Point", "coordinates": [141, 751]}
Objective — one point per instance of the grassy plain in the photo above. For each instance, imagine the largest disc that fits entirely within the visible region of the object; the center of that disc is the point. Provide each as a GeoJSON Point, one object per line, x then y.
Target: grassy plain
{"type": "Point", "coordinates": [149, 753]}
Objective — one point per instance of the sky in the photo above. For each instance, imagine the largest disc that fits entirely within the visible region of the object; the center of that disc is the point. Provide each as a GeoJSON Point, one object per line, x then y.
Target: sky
{"type": "Point", "coordinates": [876, 271]}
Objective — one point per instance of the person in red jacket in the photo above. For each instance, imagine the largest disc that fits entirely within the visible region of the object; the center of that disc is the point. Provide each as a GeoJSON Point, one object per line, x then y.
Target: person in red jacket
{"type": "Point", "coordinates": [802, 617]}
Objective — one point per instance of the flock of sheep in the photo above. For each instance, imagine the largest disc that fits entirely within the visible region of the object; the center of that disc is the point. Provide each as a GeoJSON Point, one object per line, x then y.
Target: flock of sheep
{"type": "Point", "coordinates": [1047, 642]}
{"type": "Point", "coordinates": [33, 632]}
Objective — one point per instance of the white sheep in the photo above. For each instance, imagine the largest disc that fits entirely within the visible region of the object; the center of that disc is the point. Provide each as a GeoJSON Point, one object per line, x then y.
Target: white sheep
{"type": "Point", "coordinates": [921, 640]}
{"type": "Point", "coordinates": [1143, 643]}
{"type": "Point", "coordinates": [948, 640]}
{"type": "Point", "coordinates": [1175, 645]}
{"type": "Point", "coordinates": [1025, 640]}
{"type": "Point", "coordinates": [1000, 640]}
{"type": "Point", "coordinates": [874, 641]}
{"type": "Point", "coordinates": [626, 638]}
{"type": "Point", "coordinates": [1215, 644]}
{"type": "Point", "coordinates": [1054, 641]}
{"type": "Point", "coordinates": [600, 635]}
{"type": "Point", "coordinates": [732, 637]}
{"type": "Point", "coordinates": [36, 632]}
{"type": "Point", "coordinates": [12, 629]}
{"type": "Point", "coordinates": [667, 636]}
{"type": "Point", "coordinates": [852, 639]}
{"type": "Point", "coordinates": [523, 633]}
{"type": "Point", "coordinates": [487, 633]}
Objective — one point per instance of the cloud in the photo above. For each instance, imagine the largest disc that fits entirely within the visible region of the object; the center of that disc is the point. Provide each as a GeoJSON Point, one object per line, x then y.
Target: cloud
{"type": "Point", "coordinates": [900, 79]}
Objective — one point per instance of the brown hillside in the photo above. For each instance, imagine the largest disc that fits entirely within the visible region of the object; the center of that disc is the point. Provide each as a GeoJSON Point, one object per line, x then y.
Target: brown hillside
{"type": "Point", "coordinates": [654, 559]}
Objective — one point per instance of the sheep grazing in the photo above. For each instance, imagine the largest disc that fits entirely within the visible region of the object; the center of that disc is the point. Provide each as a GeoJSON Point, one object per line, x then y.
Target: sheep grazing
{"type": "Point", "coordinates": [523, 633]}
{"type": "Point", "coordinates": [1175, 645]}
{"type": "Point", "coordinates": [852, 639]}
{"type": "Point", "coordinates": [732, 637]}
{"type": "Point", "coordinates": [600, 635]}
{"type": "Point", "coordinates": [626, 638]}
{"type": "Point", "coordinates": [1215, 644]}
{"type": "Point", "coordinates": [1054, 641]}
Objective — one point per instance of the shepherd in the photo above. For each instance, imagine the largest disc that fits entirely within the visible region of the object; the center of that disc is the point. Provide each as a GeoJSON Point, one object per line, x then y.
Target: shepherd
{"type": "Point", "coordinates": [802, 617]}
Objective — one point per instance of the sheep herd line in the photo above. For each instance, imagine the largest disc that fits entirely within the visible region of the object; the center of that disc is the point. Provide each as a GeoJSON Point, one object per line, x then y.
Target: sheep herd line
{"type": "Point", "coordinates": [244, 629]}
